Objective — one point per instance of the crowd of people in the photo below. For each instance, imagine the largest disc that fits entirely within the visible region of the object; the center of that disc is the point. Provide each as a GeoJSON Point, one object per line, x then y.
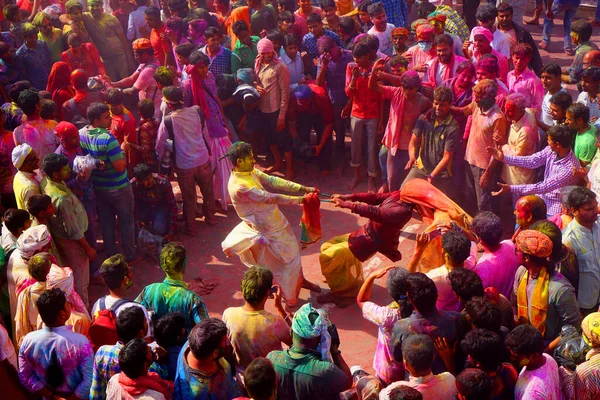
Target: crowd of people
{"type": "Point", "coordinates": [457, 120]}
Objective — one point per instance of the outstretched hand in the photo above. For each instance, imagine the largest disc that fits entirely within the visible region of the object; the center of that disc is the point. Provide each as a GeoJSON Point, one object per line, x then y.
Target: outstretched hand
{"type": "Point", "coordinates": [504, 189]}
{"type": "Point", "coordinates": [380, 273]}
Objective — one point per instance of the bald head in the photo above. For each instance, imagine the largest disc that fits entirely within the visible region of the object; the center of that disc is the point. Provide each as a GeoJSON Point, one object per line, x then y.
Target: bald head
{"type": "Point", "coordinates": [530, 209]}
{"type": "Point", "coordinates": [591, 59]}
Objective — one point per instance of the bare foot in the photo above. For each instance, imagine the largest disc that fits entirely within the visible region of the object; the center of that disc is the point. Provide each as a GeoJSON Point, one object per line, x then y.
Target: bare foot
{"type": "Point", "coordinates": [273, 168]}
{"type": "Point", "coordinates": [535, 21]}
{"type": "Point", "coordinates": [313, 287]}
{"type": "Point", "coordinates": [384, 188]}
{"type": "Point", "coordinates": [354, 183]}
{"type": "Point", "coordinates": [372, 187]}
{"type": "Point", "coordinates": [289, 174]}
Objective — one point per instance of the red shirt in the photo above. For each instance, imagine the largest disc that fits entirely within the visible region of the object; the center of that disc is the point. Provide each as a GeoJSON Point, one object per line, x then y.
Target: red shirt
{"type": "Point", "coordinates": [122, 126]}
{"type": "Point", "coordinates": [160, 43]}
{"type": "Point", "coordinates": [365, 103]}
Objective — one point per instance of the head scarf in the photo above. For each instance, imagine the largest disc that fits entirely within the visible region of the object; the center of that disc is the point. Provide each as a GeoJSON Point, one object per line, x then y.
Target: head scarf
{"type": "Point", "coordinates": [590, 327]}
{"type": "Point", "coordinates": [425, 32]}
{"type": "Point", "coordinates": [33, 240]}
{"type": "Point", "coordinates": [264, 45]}
{"type": "Point", "coordinates": [302, 92]}
{"type": "Point", "coordinates": [65, 130]}
{"type": "Point", "coordinates": [417, 23]}
{"type": "Point", "coordinates": [399, 31]}
{"type": "Point", "coordinates": [198, 94]}
{"type": "Point", "coordinates": [142, 44]}
{"type": "Point", "coordinates": [64, 279]}
{"type": "Point", "coordinates": [59, 78]}
{"type": "Point", "coordinates": [246, 75]}
{"type": "Point", "coordinates": [437, 16]}
{"type": "Point", "coordinates": [302, 327]}
{"type": "Point", "coordinates": [534, 243]}
{"type": "Point", "coordinates": [19, 154]}
{"type": "Point", "coordinates": [480, 30]}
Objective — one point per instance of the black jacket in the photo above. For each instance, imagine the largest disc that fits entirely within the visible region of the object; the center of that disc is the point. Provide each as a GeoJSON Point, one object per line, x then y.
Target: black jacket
{"type": "Point", "coordinates": [523, 36]}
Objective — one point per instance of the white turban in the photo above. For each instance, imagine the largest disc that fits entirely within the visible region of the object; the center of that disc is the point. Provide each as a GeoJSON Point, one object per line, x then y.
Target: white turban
{"type": "Point", "coordinates": [33, 240]}
{"type": "Point", "coordinates": [19, 154]}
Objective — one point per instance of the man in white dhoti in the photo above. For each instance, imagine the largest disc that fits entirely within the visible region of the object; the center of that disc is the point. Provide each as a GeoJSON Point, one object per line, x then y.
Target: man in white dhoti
{"type": "Point", "coordinates": [265, 237]}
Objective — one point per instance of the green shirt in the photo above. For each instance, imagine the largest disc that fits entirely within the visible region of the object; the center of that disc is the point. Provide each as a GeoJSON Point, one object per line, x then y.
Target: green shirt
{"type": "Point", "coordinates": [103, 146]}
{"type": "Point", "coordinates": [245, 55]}
{"type": "Point", "coordinates": [585, 145]}
{"type": "Point", "coordinates": [70, 220]}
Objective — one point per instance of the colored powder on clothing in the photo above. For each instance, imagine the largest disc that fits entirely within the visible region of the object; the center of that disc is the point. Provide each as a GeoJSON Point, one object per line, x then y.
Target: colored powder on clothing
{"type": "Point", "coordinates": [311, 220]}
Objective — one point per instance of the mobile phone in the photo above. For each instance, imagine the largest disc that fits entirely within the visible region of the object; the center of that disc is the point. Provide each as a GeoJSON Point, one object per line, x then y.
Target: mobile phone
{"type": "Point", "coordinates": [434, 234]}
{"type": "Point", "coordinates": [273, 290]}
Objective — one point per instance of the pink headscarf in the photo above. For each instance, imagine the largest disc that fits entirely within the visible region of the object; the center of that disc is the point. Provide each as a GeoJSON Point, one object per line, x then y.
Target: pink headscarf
{"type": "Point", "coordinates": [264, 45]}
{"type": "Point", "coordinates": [63, 279]}
{"type": "Point", "coordinates": [480, 30]}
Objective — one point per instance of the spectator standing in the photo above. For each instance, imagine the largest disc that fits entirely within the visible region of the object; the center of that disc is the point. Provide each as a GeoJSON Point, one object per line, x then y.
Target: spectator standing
{"type": "Point", "coordinates": [35, 131]}
{"type": "Point", "coordinates": [511, 25]}
{"type": "Point", "coordinates": [50, 35]}
{"type": "Point", "coordinates": [25, 183]}
{"type": "Point", "coordinates": [81, 55]}
{"type": "Point", "coordinates": [569, 7]}
{"type": "Point", "coordinates": [34, 57]}
{"type": "Point", "coordinates": [524, 81]}
{"type": "Point", "coordinates": [136, 22]}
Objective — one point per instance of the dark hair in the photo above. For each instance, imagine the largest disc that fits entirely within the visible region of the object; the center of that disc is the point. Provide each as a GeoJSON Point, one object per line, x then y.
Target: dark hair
{"type": "Point", "coordinates": [152, 11]}
{"type": "Point", "coordinates": [396, 283]}
{"type": "Point", "coordinates": [583, 28]}
{"type": "Point", "coordinates": [146, 108]}
{"type": "Point", "coordinates": [375, 9]}
{"type": "Point", "coordinates": [288, 5]}
{"type": "Point", "coordinates": [418, 351]}
{"type": "Point", "coordinates": [579, 110]}
{"type": "Point", "coordinates": [142, 171]}
{"type": "Point", "coordinates": [206, 337]}
{"type": "Point", "coordinates": [562, 99]}
{"type": "Point", "coordinates": [403, 392]}
{"type": "Point", "coordinates": [473, 383]}
{"type": "Point", "coordinates": [39, 265]}
{"type": "Point", "coordinates": [484, 347]}
{"type": "Point", "coordinates": [364, 6]}
{"type": "Point", "coordinates": [456, 245]}
{"type": "Point", "coordinates": [168, 328]}
{"type": "Point", "coordinates": [488, 227]}
{"type": "Point", "coordinates": [444, 38]}
{"type": "Point", "coordinates": [286, 16]}
{"type": "Point", "coordinates": [53, 162]}
{"type": "Point", "coordinates": [443, 94]}
{"type": "Point", "coordinates": [290, 40]}
{"type": "Point", "coordinates": [132, 358]}
{"type": "Point", "coordinates": [44, 95]}
{"type": "Point", "coordinates": [580, 196]}
{"type": "Point", "coordinates": [591, 72]}
{"type": "Point", "coordinates": [38, 203]}
{"type": "Point", "coordinates": [238, 150]}
{"type": "Point", "coordinates": [29, 29]}
{"type": "Point", "coordinates": [16, 88]}
{"type": "Point", "coordinates": [29, 99]}
{"type": "Point", "coordinates": [421, 292]}
{"type": "Point", "coordinates": [172, 257]}
{"type": "Point", "coordinates": [327, 4]}
{"type": "Point", "coordinates": [260, 379]}
{"type": "Point", "coordinates": [525, 340]}
{"type": "Point", "coordinates": [484, 314]}
{"type": "Point", "coordinates": [176, 23]}
{"type": "Point", "coordinates": [164, 76]}
{"type": "Point", "coordinates": [313, 17]}
{"type": "Point", "coordinates": [399, 60]}
{"type": "Point", "coordinates": [551, 69]}
{"type": "Point", "coordinates": [185, 49]}
{"type": "Point", "coordinates": [173, 94]}
{"type": "Point", "coordinates": [275, 36]}
{"type": "Point", "coordinates": [465, 283]}
{"type": "Point", "coordinates": [130, 322]}
{"type": "Point", "coordinates": [212, 31]}
{"type": "Point", "coordinates": [361, 49]}
{"type": "Point", "coordinates": [239, 26]}
{"type": "Point", "coordinates": [95, 111]}
{"type": "Point", "coordinates": [372, 41]}
{"type": "Point", "coordinates": [562, 135]}
{"type": "Point", "coordinates": [256, 283]}
{"type": "Point", "coordinates": [522, 49]}
{"type": "Point", "coordinates": [502, 7]}
{"type": "Point", "coordinates": [113, 270]}
{"type": "Point", "coordinates": [10, 12]}
{"type": "Point", "coordinates": [47, 109]}
{"type": "Point", "coordinates": [114, 96]}
{"type": "Point", "coordinates": [486, 12]}
{"type": "Point", "coordinates": [492, 66]}
{"type": "Point", "coordinates": [347, 25]}
{"type": "Point", "coordinates": [50, 304]}
{"type": "Point", "coordinates": [14, 219]}
{"type": "Point", "coordinates": [199, 57]}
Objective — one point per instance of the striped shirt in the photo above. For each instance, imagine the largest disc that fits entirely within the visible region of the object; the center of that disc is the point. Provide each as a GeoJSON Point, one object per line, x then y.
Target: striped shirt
{"type": "Point", "coordinates": [587, 379]}
{"type": "Point", "coordinates": [103, 146]}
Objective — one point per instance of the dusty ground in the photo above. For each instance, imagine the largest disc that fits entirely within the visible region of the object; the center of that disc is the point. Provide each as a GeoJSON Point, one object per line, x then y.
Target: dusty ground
{"type": "Point", "coordinates": [206, 260]}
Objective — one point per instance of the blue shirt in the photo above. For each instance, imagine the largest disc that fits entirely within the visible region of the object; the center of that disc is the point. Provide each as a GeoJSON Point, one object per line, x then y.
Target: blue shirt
{"type": "Point", "coordinates": [193, 384]}
{"type": "Point", "coordinates": [221, 63]}
{"type": "Point", "coordinates": [36, 64]}
{"type": "Point", "coordinates": [396, 12]}
{"type": "Point", "coordinates": [335, 76]}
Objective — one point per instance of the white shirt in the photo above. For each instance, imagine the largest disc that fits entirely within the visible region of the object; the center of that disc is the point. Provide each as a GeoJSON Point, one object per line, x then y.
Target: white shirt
{"type": "Point", "coordinates": [114, 391]}
{"type": "Point", "coordinates": [546, 118]}
{"type": "Point", "coordinates": [584, 99]}
{"type": "Point", "coordinates": [7, 350]}
{"type": "Point", "coordinates": [137, 20]}
{"type": "Point", "coordinates": [385, 38]}
{"type": "Point", "coordinates": [500, 43]}
{"type": "Point", "coordinates": [296, 68]}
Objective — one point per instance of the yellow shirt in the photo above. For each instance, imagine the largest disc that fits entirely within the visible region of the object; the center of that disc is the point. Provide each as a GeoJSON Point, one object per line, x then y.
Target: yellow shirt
{"type": "Point", "coordinates": [25, 185]}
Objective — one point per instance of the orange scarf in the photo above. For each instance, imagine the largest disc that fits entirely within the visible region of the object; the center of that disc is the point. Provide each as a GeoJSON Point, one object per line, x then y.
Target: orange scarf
{"type": "Point", "coordinates": [539, 300]}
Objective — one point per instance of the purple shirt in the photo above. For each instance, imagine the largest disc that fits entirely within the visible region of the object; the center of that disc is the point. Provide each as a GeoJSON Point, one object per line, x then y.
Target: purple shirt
{"type": "Point", "coordinates": [558, 174]}
{"type": "Point", "coordinates": [498, 269]}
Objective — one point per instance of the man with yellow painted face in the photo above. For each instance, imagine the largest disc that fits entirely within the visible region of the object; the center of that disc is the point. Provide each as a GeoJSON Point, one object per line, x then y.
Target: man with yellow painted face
{"type": "Point", "coordinates": [438, 21]}
{"type": "Point", "coordinates": [70, 222]}
{"type": "Point", "coordinates": [581, 32]}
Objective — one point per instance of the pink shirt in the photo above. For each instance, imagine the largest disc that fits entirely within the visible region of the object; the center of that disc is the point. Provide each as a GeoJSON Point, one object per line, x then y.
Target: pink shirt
{"type": "Point", "coordinates": [400, 124]}
{"type": "Point", "coordinates": [432, 387]}
{"type": "Point", "coordinates": [498, 269]}
{"type": "Point", "coordinates": [447, 300]}
{"type": "Point", "coordinates": [543, 383]}
{"type": "Point", "coordinates": [530, 86]}
{"type": "Point", "coordinates": [502, 64]}
{"type": "Point", "coordinates": [481, 135]}
{"type": "Point", "coordinates": [384, 364]}
{"type": "Point", "coordinates": [420, 57]}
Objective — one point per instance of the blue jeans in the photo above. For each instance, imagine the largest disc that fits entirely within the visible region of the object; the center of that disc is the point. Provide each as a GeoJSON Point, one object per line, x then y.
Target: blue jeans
{"type": "Point", "coordinates": [395, 169]}
{"type": "Point", "coordinates": [364, 132]}
{"type": "Point", "coordinates": [158, 217]}
{"type": "Point", "coordinates": [117, 203]}
{"type": "Point", "coordinates": [383, 155]}
{"type": "Point", "coordinates": [569, 10]}
{"type": "Point", "coordinates": [597, 18]}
